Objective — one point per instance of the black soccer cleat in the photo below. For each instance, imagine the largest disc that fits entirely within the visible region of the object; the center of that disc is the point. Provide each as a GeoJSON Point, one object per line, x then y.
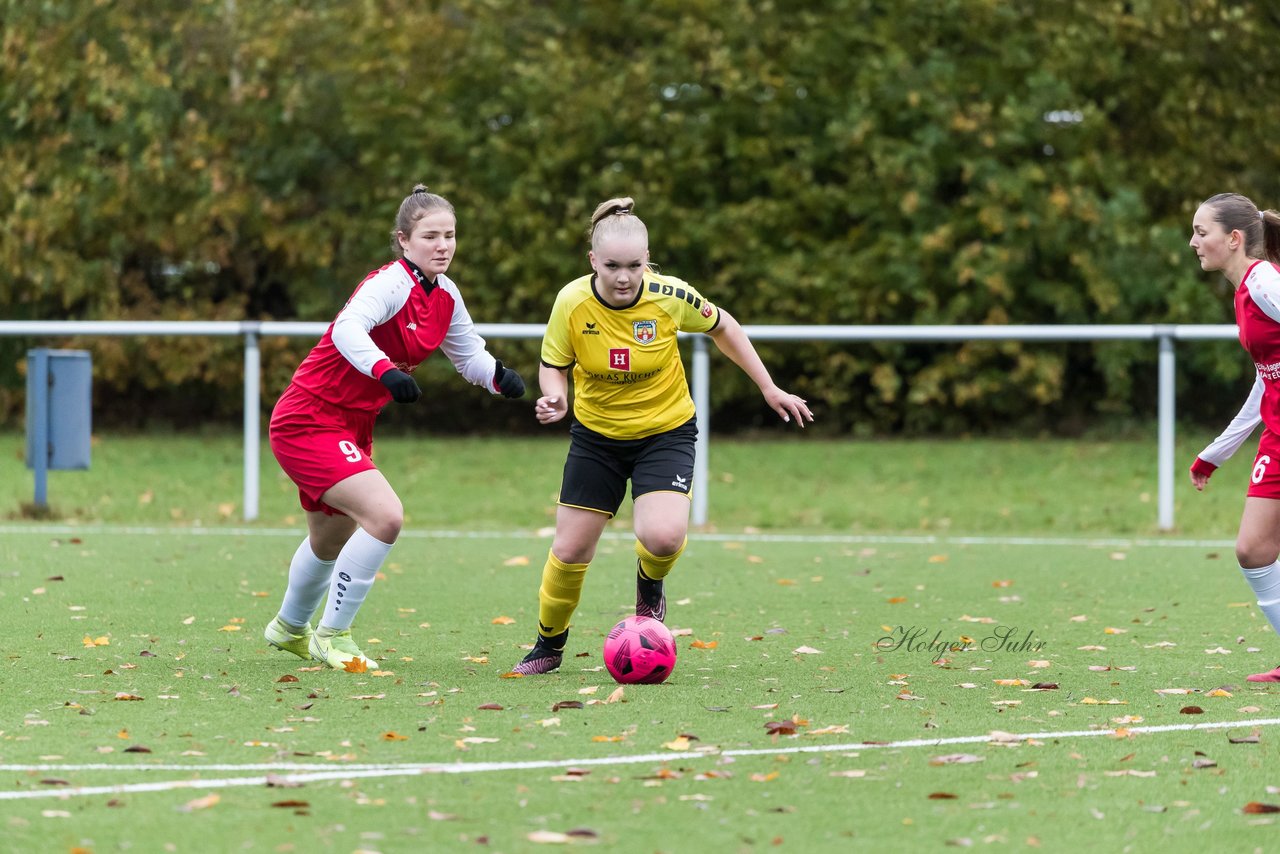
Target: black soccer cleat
{"type": "Point", "coordinates": [651, 601]}
{"type": "Point", "coordinates": [546, 655]}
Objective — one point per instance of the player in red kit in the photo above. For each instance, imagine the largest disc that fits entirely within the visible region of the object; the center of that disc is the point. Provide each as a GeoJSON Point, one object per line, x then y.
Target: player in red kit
{"type": "Point", "coordinates": [322, 427]}
{"type": "Point", "coordinates": [1230, 235]}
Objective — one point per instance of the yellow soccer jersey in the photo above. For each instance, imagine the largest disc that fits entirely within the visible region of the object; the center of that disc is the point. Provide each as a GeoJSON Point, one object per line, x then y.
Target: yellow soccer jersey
{"type": "Point", "coordinates": [628, 378]}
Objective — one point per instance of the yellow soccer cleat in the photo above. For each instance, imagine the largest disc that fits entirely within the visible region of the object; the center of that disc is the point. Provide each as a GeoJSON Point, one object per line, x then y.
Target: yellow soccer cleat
{"type": "Point", "coordinates": [283, 637]}
{"type": "Point", "coordinates": [339, 651]}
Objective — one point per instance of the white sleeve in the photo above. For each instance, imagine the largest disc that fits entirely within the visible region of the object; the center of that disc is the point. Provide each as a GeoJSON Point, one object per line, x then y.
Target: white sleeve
{"type": "Point", "coordinates": [373, 304]}
{"type": "Point", "coordinates": [464, 346]}
{"type": "Point", "coordinates": [1264, 290]}
{"type": "Point", "coordinates": [1221, 448]}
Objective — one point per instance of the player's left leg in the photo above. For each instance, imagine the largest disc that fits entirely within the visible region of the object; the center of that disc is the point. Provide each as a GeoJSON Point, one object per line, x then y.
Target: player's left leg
{"type": "Point", "coordinates": [368, 499]}
{"type": "Point", "coordinates": [1257, 547]}
{"type": "Point", "coordinates": [661, 483]}
{"type": "Point", "coordinates": [662, 528]}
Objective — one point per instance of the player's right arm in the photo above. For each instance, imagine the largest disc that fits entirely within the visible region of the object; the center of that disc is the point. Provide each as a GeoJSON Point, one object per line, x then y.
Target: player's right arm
{"type": "Point", "coordinates": [1230, 440]}
{"type": "Point", "coordinates": [375, 302]}
{"type": "Point", "coordinates": [554, 403]}
{"type": "Point", "coordinates": [556, 359]}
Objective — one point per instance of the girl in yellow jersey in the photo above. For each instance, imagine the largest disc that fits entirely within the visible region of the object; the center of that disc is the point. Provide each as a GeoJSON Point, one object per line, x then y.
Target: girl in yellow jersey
{"type": "Point", "coordinates": [633, 416]}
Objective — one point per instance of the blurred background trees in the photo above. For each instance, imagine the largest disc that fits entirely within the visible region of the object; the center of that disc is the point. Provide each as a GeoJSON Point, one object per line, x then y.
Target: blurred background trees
{"type": "Point", "coordinates": [843, 162]}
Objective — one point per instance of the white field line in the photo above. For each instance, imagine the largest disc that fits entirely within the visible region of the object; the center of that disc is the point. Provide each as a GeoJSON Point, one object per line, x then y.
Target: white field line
{"type": "Point", "coordinates": [304, 773]}
{"type": "Point", "coordinates": [849, 539]}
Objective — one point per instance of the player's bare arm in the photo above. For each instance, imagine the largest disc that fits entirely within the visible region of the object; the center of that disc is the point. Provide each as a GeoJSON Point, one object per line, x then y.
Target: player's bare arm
{"type": "Point", "coordinates": [734, 343]}
{"type": "Point", "coordinates": [554, 403]}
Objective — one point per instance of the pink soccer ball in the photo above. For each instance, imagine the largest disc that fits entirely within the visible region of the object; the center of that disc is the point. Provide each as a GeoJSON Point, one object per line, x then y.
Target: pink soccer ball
{"type": "Point", "coordinates": [640, 650]}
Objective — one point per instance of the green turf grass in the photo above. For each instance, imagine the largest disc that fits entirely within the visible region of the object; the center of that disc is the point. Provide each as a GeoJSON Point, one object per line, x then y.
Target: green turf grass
{"type": "Point", "coordinates": [181, 613]}
{"type": "Point", "coordinates": [792, 483]}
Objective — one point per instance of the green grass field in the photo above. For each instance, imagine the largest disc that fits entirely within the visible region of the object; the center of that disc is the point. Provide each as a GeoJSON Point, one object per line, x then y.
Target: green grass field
{"type": "Point", "coordinates": [900, 645]}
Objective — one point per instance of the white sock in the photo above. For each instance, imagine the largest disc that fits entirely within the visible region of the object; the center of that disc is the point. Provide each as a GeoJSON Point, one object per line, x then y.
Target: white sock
{"type": "Point", "coordinates": [353, 575]}
{"type": "Point", "coordinates": [308, 581]}
{"type": "Point", "coordinates": [1265, 581]}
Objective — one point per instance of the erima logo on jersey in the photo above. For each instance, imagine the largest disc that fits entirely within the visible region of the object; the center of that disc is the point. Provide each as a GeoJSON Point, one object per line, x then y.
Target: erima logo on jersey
{"type": "Point", "coordinates": [411, 326]}
{"type": "Point", "coordinates": [680, 483]}
{"type": "Point", "coordinates": [591, 330]}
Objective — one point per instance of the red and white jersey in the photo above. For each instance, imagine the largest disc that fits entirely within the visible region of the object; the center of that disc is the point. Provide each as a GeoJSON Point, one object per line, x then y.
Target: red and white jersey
{"type": "Point", "coordinates": [1258, 318]}
{"type": "Point", "coordinates": [395, 319]}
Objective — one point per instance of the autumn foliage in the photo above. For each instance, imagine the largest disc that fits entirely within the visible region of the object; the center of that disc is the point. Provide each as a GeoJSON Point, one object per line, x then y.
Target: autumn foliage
{"type": "Point", "coordinates": [838, 163]}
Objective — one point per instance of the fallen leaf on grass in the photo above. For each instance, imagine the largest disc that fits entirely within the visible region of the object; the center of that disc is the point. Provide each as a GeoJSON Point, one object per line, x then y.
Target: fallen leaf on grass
{"type": "Point", "coordinates": [806, 650]}
{"type": "Point", "coordinates": [1203, 762]}
{"type": "Point", "coordinates": [1218, 692]}
{"type": "Point", "coordinates": [502, 621]}
{"type": "Point", "coordinates": [680, 743]}
{"type": "Point", "coordinates": [1256, 808]}
{"type": "Point", "coordinates": [618, 696]}
{"type": "Point", "coordinates": [942, 796]}
{"type": "Point", "coordinates": [288, 677]}
{"type": "Point", "coordinates": [295, 805]}
{"type": "Point", "coordinates": [490, 707]}
{"type": "Point", "coordinates": [698, 644]}
{"type": "Point", "coordinates": [200, 803]}
{"type": "Point", "coordinates": [1172, 691]}
{"type": "Point", "coordinates": [98, 641]}
{"type": "Point", "coordinates": [956, 759]}
{"type": "Point", "coordinates": [780, 728]}
{"type": "Point", "coordinates": [1246, 739]}
{"type": "Point", "coordinates": [394, 736]}
{"type": "Point", "coordinates": [356, 665]}
{"type": "Point", "coordinates": [275, 781]}
{"type": "Point", "coordinates": [518, 560]}
{"type": "Point", "coordinates": [608, 738]}
{"type": "Point", "coordinates": [1191, 710]}
{"type": "Point", "coordinates": [567, 704]}
{"type": "Point", "coordinates": [852, 772]}
{"type": "Point", "coordinates": [124, 696]}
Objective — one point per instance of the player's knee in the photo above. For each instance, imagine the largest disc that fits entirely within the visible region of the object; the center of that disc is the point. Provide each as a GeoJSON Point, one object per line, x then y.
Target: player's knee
{"type": "Point", "coordinates": [663, 543]}
{"type": "Point", "coordinates": [386, 525]}
{"type": "Point", "coordinates": [573, 552]}
{"type": "Point", "coordinates": [1252, 553]}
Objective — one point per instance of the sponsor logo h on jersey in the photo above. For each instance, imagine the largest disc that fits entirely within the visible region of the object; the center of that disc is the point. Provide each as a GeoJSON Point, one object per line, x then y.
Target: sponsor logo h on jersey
{"type": "Point", "coordinates": [619, 358]}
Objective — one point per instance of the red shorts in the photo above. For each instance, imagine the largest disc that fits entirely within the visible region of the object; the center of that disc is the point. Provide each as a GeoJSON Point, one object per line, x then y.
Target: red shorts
{"type": "Point", "coordinates": [1264, 480]}
{"type": "Point", "coordinates": [319, 444]}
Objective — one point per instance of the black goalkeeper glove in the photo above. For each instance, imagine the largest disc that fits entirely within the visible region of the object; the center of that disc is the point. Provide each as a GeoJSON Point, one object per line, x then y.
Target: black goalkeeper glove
{"type": "Point", "coordinates": [507, 381]}
{"type": "Point", "coordinates": [402, 386]}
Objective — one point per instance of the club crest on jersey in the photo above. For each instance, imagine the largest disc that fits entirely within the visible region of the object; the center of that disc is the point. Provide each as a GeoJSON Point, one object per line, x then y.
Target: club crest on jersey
{"type": "Point", "coordinates": [619, 358]}
{"type": "Point", "coordinates": [645, 331]}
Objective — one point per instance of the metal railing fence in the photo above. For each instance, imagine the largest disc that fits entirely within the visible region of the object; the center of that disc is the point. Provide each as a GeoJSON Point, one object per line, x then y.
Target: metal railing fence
{"type": "Point", "coordinates": [1164, 335]}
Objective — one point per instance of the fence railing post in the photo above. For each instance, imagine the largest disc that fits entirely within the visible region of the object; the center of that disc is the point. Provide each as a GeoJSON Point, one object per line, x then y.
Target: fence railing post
{"type": "Point", "coordinates": [702, 403]}
{"type": "Point", "coordinates": [252, 406]}
{"type": "Point", "coordinates": [1165, 428]}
